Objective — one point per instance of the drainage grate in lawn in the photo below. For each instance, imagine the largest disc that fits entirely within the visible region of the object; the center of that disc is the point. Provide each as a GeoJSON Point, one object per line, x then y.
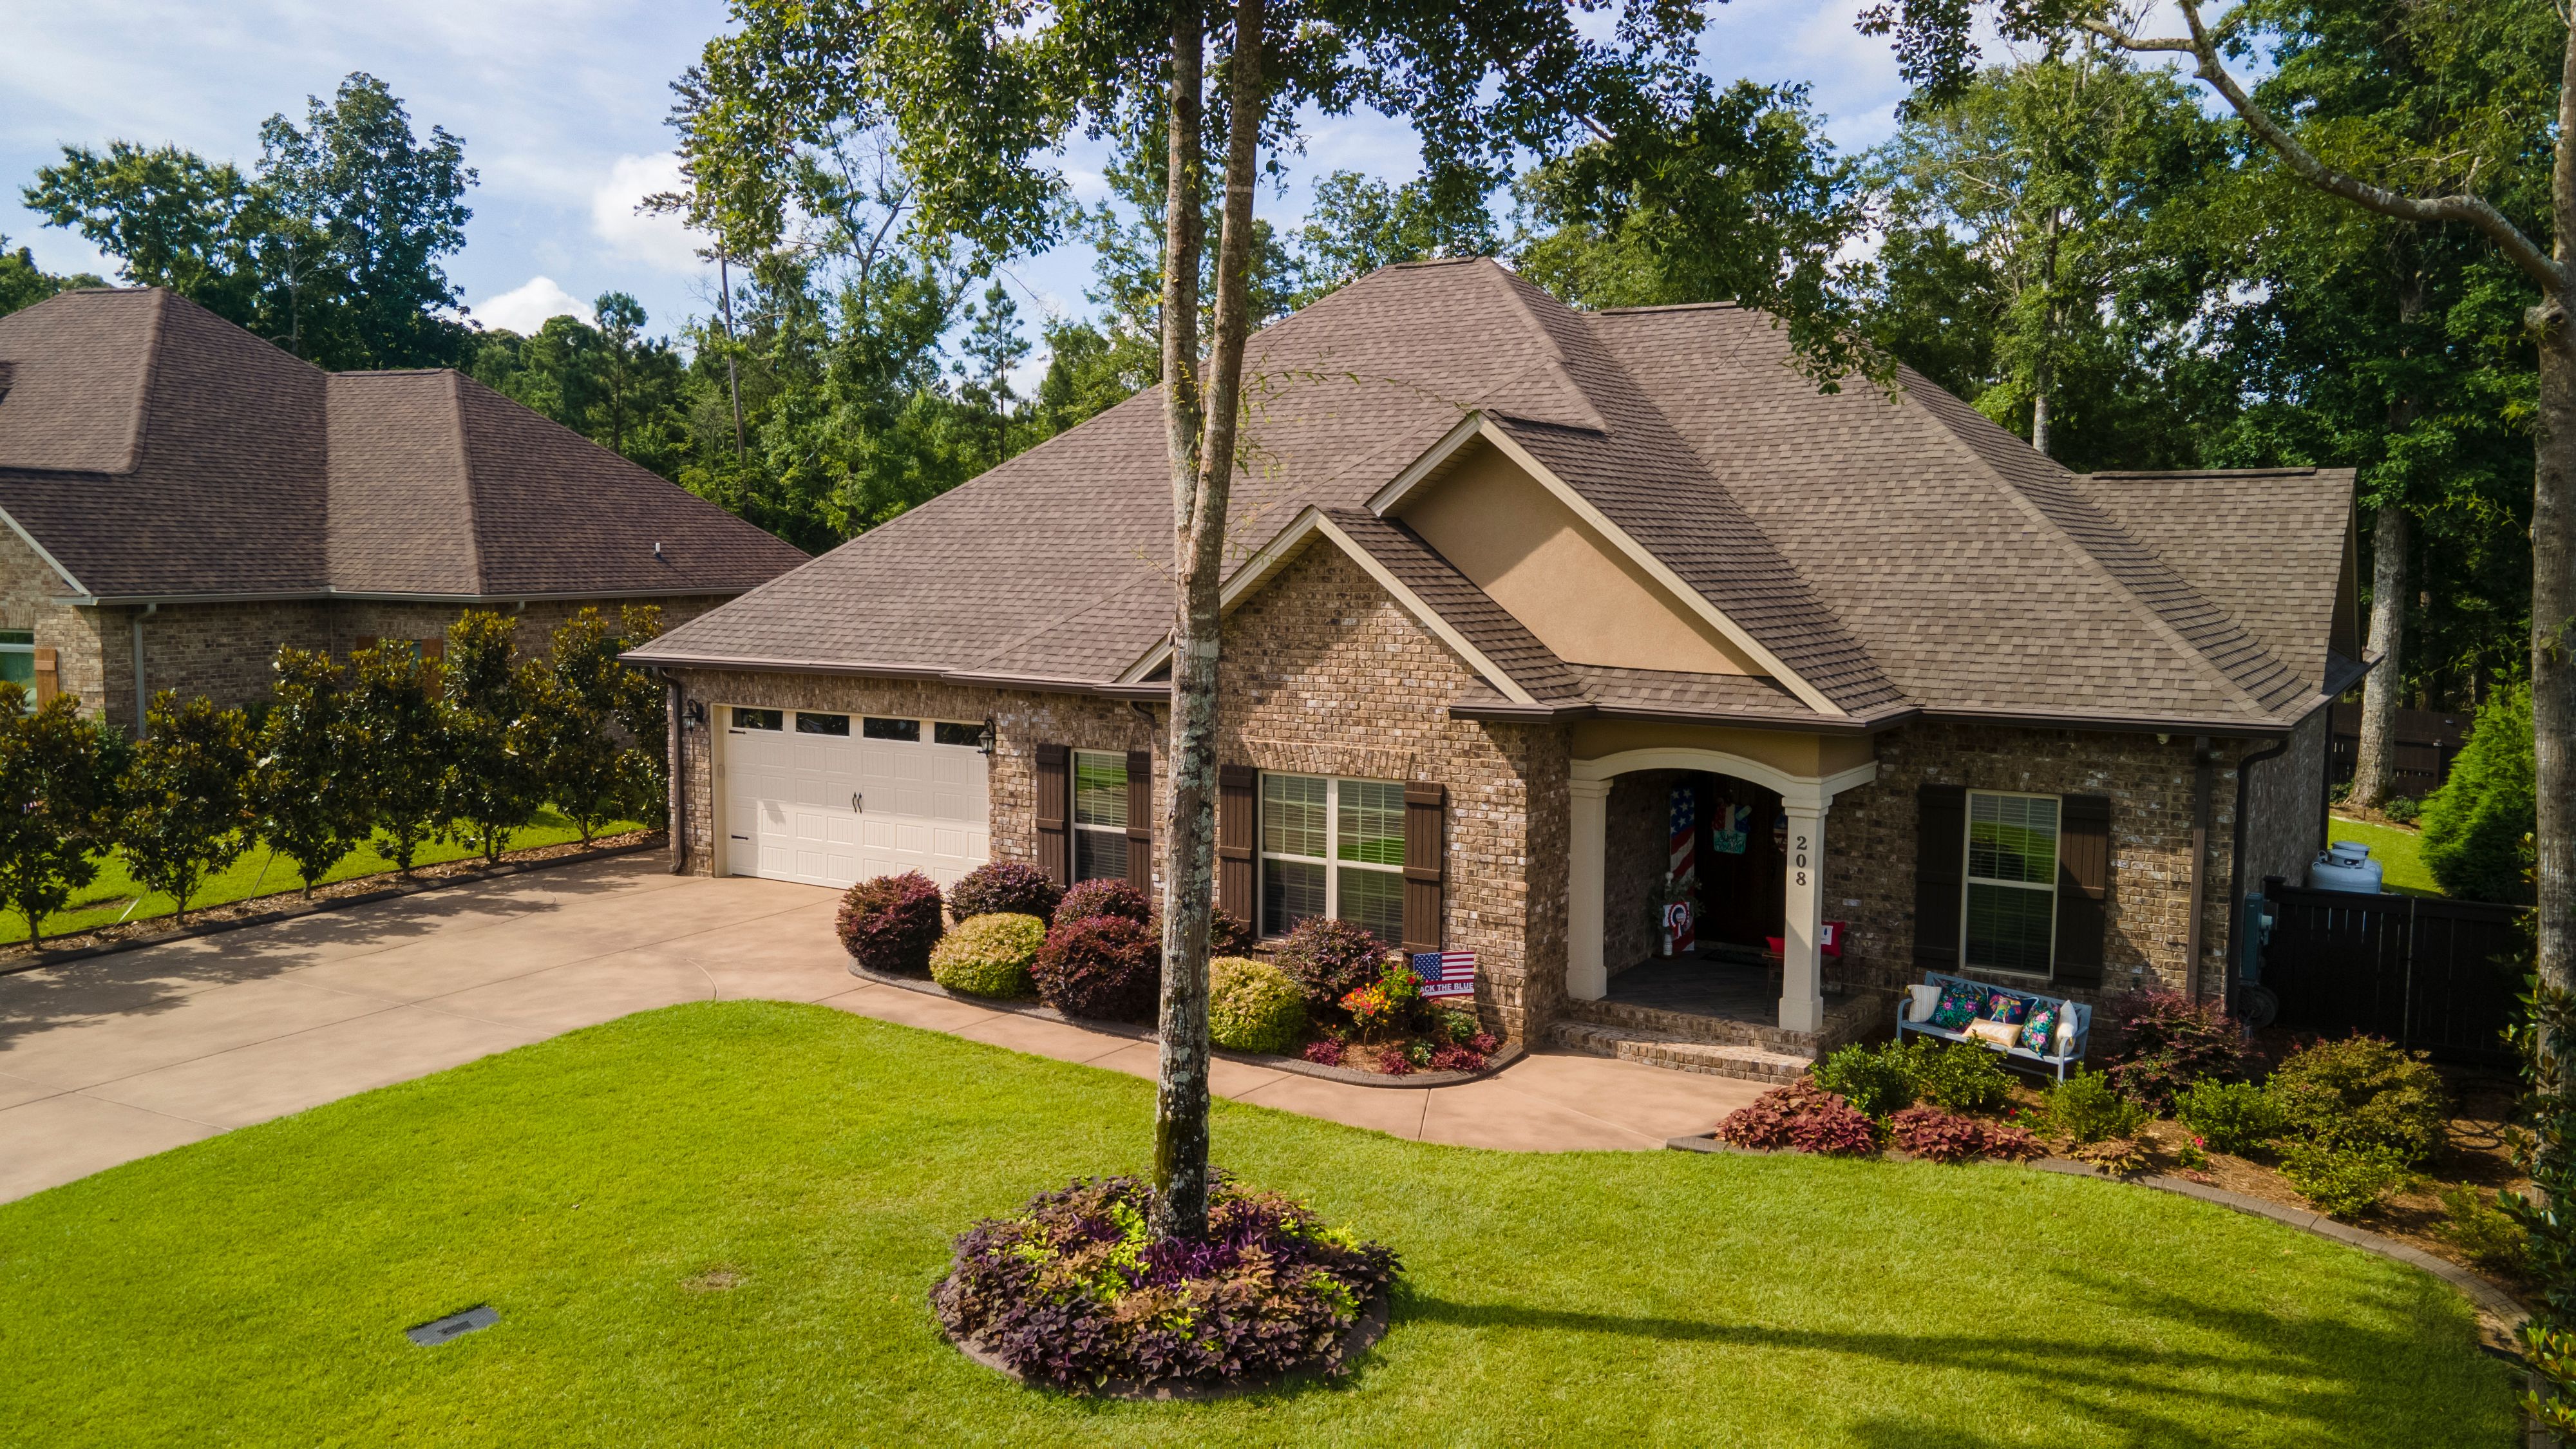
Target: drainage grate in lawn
{"type": "Point", "coordinates": [440, 1330]}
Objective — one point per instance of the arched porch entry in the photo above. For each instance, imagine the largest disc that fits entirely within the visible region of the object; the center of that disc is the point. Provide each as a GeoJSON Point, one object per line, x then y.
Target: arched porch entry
{"type": "Point", "coordinates": [1805, 801]}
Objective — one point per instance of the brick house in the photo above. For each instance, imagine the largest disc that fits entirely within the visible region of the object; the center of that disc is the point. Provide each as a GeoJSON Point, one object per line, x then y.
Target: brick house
{"type": "Point", "coordinates": [1524, 601]}
{"type": "Point", "coordinates": [183, 497]}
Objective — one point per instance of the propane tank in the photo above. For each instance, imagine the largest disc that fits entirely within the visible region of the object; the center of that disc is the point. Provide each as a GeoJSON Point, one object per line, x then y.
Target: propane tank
{"type": "Point", "coordinates": [2346, 866]}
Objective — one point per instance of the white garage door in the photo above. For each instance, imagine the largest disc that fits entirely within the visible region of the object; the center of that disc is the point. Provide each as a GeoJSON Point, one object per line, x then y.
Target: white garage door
{"type": "Point", "coordinates": [833, 799]}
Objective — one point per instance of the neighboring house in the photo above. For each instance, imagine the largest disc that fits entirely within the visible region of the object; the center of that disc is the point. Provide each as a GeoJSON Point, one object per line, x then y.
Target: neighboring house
{"type": "Point", "coordinates": [183, 497]}
{"type": "Point", "coordinates": [1515, 589]}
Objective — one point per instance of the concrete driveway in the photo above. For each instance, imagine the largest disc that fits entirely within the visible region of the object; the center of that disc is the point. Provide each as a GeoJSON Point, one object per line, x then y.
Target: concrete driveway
{"type": "Point", "coordinates": [121, 1056]}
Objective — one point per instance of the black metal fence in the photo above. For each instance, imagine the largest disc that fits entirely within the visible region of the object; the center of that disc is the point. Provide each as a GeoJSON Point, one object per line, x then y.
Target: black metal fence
{"type": "Point", "coordinates": [2443, 976]}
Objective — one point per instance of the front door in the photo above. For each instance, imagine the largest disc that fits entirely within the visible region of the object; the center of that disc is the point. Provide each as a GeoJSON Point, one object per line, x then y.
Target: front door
{"type": "Point", "coordinates": [1742, 853]}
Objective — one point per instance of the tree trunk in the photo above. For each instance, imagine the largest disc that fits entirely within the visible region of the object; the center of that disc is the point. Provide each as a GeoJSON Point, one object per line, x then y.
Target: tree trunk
{"type": "Point", "coordinates": [2553, 608]}
{"type": "Point", "coordinates": [2371, 773]}
{"type": "Point", "coordinates": [2043, 372]}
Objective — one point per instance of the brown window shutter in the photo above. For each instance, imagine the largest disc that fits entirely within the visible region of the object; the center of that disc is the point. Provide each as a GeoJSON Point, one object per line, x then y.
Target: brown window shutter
{"type": "Point", "coordinates": [366, 641]}
{"type": "Point", "coordinates": [2083, 887]}
{"type": "Point", "coordinates": [1055, 812]}
{"type": "Point", "coordinates": [49, 676]}
{"type": "Point", "coordinates": [1238, 832]}
{"type": "Point", "coordinates": [1140, 821]}
{"type": "Point", "coordinates": [1424, 805]}
{"type": "Point", "coordinates": [434, 647]}
{"type": "Point", "coordinates": [1940, 873]}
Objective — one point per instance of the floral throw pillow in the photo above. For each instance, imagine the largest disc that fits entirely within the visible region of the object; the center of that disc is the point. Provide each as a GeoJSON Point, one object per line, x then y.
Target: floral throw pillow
{"type": "Point", "coordinates": [2035, 1033]}
{"type": "Point", "coordinates": [1959, 1006]}
{"type": "Point", "coordinates": [2006, 1009]}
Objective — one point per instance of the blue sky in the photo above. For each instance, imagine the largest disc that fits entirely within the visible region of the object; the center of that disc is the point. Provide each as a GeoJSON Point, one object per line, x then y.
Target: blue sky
{"type": "Point", "coordinates": [561, 106]}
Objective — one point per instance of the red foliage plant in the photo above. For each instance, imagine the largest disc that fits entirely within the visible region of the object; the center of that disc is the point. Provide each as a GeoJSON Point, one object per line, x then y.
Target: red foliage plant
{"type": "Point", "coordinates": [1012, 887]}
{"type": "Point", "coordinates": [1934, 1135]}
{"type": "Point", "coordinates": [1325, 1051]}
{"type": "Point", "coordinates": [1458, 1059]}
{"type": "Point", "coordinates": [889, 924]}
{"type": "Point", "coordinates": [2169, 1041]}
{"type": "Point", "coordinates": [1104, 897]}
{"type": "Point", "coordinates": [1330, 959]}
{"type": "Point", "coordinates": [1108, 968]}
{"type": "Point", "coordinates": [1394, 1062]}
{"type": "Point", "coordinates": [1800, 1117]}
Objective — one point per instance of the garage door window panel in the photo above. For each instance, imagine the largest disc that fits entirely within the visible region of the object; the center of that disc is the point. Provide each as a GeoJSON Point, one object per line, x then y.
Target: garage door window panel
{"type": "Point", "coordinates": [822, 724]}
{"type": "Point", "coordinates": [892, 729]}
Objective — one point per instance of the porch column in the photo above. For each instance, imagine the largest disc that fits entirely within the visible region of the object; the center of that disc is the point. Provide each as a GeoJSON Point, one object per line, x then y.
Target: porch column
{"type": "Point", "coordinates": [1587, 859]}
{"type": "Point", "coordinates": [1802, 981]}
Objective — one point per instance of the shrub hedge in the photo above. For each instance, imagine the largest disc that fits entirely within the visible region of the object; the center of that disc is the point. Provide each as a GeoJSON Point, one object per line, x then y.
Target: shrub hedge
{"type": "Point", "coordinates": [1103, 898]}
{"type": "Point", "coordinates": [1253, 1006]}
{"type": "Point", "coordinates": [1005, 888]}
{"type": "Point", "coordinates": [890, 924]}
{"type": "Point", "coordinates": [989, 955]}
{"type": "Point", "coordinates": [1329, 960]}
{"type": "Point", "coordinates": [1109, 968]}
{"type": "Point", "coordinates": [2475, 825]}
{"type": "Point", "coordinates": [2362, 1094]}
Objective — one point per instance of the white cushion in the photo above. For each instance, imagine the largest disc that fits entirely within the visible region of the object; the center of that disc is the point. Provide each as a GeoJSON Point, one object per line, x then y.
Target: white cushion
{"type": "Point", "coordinates": [2066, 1029]}
{"type": "Point", "coordinates": [1996, 1033]}
{"type": "Point", "coordinates": [1922, 1000]}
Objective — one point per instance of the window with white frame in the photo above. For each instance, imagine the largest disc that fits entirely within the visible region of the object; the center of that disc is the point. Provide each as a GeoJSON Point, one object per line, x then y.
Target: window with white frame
{"type": "Point", "coordinates": [1099, 816]}
{"type": "Point", "coordinates": [2010, 919]}
{"type": "Point", "coordinates": [1332, 848]}
{"type": "Point", "coordinates": [18, 661]}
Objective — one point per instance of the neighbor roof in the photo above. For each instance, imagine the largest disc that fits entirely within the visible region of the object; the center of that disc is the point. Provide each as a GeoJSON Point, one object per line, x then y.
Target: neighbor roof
{"type": "Point", "coordinates": [153, 450]}
{"type": "Point", "coordinates": [1891, 554]}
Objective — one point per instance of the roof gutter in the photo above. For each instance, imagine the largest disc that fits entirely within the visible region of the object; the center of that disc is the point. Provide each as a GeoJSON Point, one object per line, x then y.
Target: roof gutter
{"type": "Point", "coordinates": [92, 601]}
{"type": "Point", "coordinates": [1505, 712]}
{"type": "Point", "coordinates": [1150, 690]}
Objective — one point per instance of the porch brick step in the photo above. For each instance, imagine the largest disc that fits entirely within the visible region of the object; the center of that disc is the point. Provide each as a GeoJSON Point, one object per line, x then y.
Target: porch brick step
{"type": "Point", "coordinates": [1751, 1064]}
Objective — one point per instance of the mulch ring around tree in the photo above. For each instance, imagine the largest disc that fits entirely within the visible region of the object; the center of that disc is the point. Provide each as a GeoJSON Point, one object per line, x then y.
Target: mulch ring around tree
{"type": "Point", "coordinates": [1509, 1053]}
{"type": "Point", "coordinates": [1363, 1336]}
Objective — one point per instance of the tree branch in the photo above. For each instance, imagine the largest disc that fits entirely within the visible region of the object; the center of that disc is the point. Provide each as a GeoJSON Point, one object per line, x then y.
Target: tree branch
{"type": "Point", "coordinates": [2533, 258]}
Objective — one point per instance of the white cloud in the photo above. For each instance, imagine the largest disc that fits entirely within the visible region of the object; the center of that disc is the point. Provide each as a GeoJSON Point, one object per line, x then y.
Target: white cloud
{"type": "Point", "coordinates": [655, 238]}
{"type": "Point", "coordinates": [526, 307]}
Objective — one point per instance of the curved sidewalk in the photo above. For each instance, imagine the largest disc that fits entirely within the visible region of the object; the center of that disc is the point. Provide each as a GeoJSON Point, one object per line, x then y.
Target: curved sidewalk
{"type": "Point", "coordinates": [121, 1056]}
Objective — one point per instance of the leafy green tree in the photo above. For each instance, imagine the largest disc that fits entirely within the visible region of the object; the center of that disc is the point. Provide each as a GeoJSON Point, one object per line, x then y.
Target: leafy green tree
{"type": "Point", "coordinates": [308, 789]}
{"type": "Point", "coordinates": [1358, 224]}
{"type": "Point", "coordinates": [332, 250]}
{"type": "Point", "coordinates": [59, 779]}
{"type": "Point", "coordinates": [581, 694]}
{"type": "Point", "coordinates": [487, 699]}
{"type": "Point", "coordinates": [24, 284]}
{"type": "Point", "coordinates": [993, 346]}
{"type": "Point", "coordinates": [390, 720]}
{"type": "Point", "coordinates": [186, 796]}
{"type": "Point", "coordinates": [1710, 194]}
{"type": "Point", "coordinates": [2076, 188]}
{"type": "Point", "coordinates": [2477, 827]}
{"type": "Point", "coordinates": [644, 714]}
{"type": "Point", "coordinates": [609, 382]}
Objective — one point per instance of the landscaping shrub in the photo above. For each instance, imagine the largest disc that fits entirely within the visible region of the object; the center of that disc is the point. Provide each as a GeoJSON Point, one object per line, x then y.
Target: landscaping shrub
{"type": "Point", "coordinates": [2167, 1042]}
{"type": "Point", "coordinates": [1108, 968]}
{"type": "Point", "coordinates": [1937, 1136]}
{"type": "Point", "coordinates": [1390, 1003]}
{"type": "Point", "coordinates": [890, 923]}
{"type": "Point", "coordinates": [489, 710]}
{"type": "Point", "coordinates": [1253, 1006]}
{"type": "Point", "coordinates": [2361, 1093]}
{"type": "Point", "coordinates": [1228, 933]}
{"type": "Point", "coordinates": [989, 955]}
{"type": "Point", "coordinates": [1103, 898]}
{"type": "Point", "coordinates": [308, 789]}
{"type": "Point", "coordinates": [1330, 959]}
{"type": "Point", "coordinates": [2343, 1181]}
{"type": "Point", "coordinates": [2235, 1117]}
{"type": "Point", "coordinates": [2475, 826]}
{"type": "Point", "coordinates": [1800, 1117]}
{"type": "Point", "coordinates": [2483, 1230]}
{"type": "Point", "coordinates": [185, 790]}
{"type": "Point", "coordinates": [1005, 888]}
{"type": "Point", "coordinates": [2402, 810]}
{"type": "Point", "coordinates": [1458, 1058]}
{"type": "Point", "coordinates": [1075, 1290]}
{"type": "Point", "coordinates": [2086, 1108]}
{"type": "Point", "coordinates": [396, 741]}
{"type": "Point", "coordinates": [60, 798]}
{"type": "Point", "coordinates": [1876, 1081]}
{"type": "Point", "coordinates": [1325, 1051]}
{"type": "Point", "coordinates": [1395, 1060]}
{"type": "Point", "coordinates": [1959, 1077]}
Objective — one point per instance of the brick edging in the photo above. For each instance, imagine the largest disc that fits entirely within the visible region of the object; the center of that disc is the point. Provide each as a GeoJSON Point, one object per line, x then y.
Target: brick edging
{"type": "Point", "coordinates": [2491, 1300]}
{"type": "Point", "coordinates": [1511, 1051]}
{"type": "Point", "coordinates": [42, 959]}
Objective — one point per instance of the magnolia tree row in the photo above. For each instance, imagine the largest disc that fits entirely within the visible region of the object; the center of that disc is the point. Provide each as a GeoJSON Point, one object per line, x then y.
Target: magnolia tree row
{"type": "Point", "coordinates": [392, 746]}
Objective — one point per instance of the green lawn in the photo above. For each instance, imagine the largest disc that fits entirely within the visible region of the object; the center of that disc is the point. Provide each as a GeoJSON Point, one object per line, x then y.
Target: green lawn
{"type": "Point", "coordinates": [259, 871]}
{"type": "Point", "coordinates": [2400, 854]}
{"type": "Point", "coordinates": [253, 1288]}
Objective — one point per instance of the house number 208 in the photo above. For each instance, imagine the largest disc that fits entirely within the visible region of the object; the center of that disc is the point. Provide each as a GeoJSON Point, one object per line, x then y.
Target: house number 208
{"type": "Point", "coordinates": [1802, 860]}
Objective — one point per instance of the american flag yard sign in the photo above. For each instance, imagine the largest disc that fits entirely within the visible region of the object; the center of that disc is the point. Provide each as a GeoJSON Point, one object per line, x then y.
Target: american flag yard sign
{"type": "Point", "coordinates": [1681, 934]}
{"type": "Point", "coordinates": [1446, 973]}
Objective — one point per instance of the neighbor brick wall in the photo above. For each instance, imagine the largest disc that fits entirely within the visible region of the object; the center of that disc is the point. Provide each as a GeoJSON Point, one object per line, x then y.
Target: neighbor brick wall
{"type": "Point", "coordinates": [221, 652]}
{"type": "Point", "coordinates": [28, 587]}
{"type": "Point", "coordinates": [1869, 843]}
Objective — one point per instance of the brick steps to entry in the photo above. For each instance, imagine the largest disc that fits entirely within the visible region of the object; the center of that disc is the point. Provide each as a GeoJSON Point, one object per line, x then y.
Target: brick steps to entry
{"type": "Point", "coordinates": [1717, 1059]}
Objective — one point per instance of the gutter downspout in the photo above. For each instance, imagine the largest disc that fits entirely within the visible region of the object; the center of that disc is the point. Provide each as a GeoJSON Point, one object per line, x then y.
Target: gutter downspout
{"type": "Point", "coordinates": [142, 692]}
{"type": "Point", "coordinates": [2236, 853]}
{"type": "Point", "coordinates": [679, 754]}
{"type": "Point", "coordinates": [2196, 934]}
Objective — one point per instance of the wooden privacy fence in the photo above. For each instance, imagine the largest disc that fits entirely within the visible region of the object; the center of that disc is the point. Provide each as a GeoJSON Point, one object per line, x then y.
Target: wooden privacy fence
{"type": "Point", "coordinates": [2430, 974]}
{"type": "Point", "coordinates": [2426, 743]}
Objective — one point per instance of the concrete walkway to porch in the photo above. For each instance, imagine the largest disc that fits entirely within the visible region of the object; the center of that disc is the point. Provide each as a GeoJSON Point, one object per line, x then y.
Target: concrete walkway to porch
{"type": "Point", "coordinates": [118, 1057]}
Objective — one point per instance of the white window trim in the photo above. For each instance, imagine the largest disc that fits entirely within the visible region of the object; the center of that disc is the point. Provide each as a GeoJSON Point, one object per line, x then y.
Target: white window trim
{"type": "Point", "coordinates": [1073, 811]}
{"type": "Point", "coordinates": [1969, 881]}
{"type": "Point", "coordinates": [1330, 860]}
{"type": "Point", "coordinates": [29, 649]}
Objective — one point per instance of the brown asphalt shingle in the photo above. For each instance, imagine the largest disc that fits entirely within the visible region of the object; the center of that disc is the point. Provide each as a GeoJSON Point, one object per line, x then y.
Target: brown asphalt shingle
{"type": "Point", "coordinates": [1891, 553]}
{"type": "Point", "coordinates": [156, 450]}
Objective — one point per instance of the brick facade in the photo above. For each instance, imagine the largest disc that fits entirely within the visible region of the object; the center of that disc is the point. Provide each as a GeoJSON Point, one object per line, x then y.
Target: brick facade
{"type": "Point", "coordinates": [1640, 856]}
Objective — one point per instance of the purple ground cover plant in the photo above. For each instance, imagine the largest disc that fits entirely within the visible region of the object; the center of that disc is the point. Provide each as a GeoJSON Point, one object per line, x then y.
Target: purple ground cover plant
{"type": "Point", "coordinates": [1074, 1291]}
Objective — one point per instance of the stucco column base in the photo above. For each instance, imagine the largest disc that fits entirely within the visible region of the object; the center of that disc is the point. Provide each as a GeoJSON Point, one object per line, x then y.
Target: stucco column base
{"type": "Point", "coordinates": [1802, 981]}
{"type": "Point", "coordinates": [1587, 978]}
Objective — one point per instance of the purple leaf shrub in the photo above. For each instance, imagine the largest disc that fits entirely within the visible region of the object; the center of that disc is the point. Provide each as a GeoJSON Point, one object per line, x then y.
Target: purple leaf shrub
{"type": "Point", "coordinates": [1005, 888]}
{"type": "Point", "coordinates": [1104, 898]}
{"type": "Point", "coordinates": [890, 923]}
{"type": "Point", "coordinates": [1108, 968]}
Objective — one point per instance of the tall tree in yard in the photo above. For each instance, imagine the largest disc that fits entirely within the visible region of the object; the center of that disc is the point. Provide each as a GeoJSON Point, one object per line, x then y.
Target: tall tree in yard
{"type": "Point", "coordinates": [495, 777]}
{"type": "Point", "coordinates": [582, 691]}
{"type": "Point", "coordinates": [186, 796]}
{"type": "Point", "coordinates": [307, 789]}
{"type": "Point", "coordinates": [979, 95]}
{"type": "Point", "coordinates": [59, 778]}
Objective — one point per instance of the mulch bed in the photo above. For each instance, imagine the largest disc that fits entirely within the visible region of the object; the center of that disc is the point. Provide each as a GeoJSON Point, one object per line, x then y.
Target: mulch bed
{"type": "Point", "coordinates": [290, 903]}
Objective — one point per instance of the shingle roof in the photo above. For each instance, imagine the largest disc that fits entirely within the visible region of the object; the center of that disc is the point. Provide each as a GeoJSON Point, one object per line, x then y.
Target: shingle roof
{"type": "Point", "coordinates": [156, 450]}
{"type": "Point", "coordinates": [1889, 553]}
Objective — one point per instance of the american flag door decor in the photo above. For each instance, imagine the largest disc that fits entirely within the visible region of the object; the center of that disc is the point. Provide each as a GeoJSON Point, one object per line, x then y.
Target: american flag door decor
{"type": "Point", "coordinates": [1681, 933]}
